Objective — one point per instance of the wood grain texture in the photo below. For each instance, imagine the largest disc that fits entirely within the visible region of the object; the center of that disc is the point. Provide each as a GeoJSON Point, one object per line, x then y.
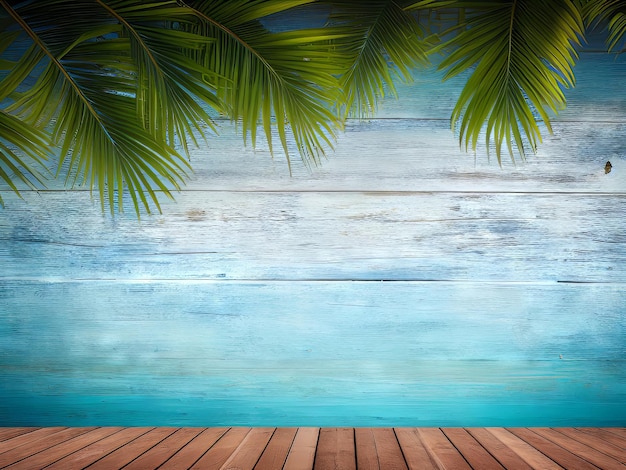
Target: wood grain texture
{"type": "Point", "coordinates": [415, 454]}
{"type": "Point", "coordinates": [342, 236]}
{"type": "Point", "coordinates": [195, 449]}
{"type": "Point", "coordinates": [62, 450]}
{"type": "Point", "coordinates": [441, 450]}
{"type": "Point", "coordinates": [337, 448]}
{"type": "Point", "coordinates": [246, 352]}
{"type": "Point", "coordinates": [256, 298]}
{"type": "Point", "coordinates": [99, 449]}
{"type": "Point", "coordinates": [590, 454]}
{"type": "Point", "coordinates": [302, 453]}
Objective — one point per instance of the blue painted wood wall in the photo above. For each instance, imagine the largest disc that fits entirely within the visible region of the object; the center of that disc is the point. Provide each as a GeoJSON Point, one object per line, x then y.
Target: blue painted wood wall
{"type": "Point", "coordinates": [403, 282]}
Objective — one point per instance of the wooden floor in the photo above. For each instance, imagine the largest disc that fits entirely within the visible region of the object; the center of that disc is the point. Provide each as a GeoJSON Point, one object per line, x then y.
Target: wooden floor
{"type": "Point", "coordinates": [312, 448]}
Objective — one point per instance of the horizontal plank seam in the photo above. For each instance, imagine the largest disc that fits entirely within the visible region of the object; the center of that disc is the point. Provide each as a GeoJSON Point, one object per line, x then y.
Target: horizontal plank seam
{"type": "Point", "coordinates": [252, 281]}
{"type": "Point", "coordinates": [353, 191]}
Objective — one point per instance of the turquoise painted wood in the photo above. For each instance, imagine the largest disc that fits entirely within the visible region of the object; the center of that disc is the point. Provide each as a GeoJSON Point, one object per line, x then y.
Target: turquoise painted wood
{"type": "Point", "coordinates": [402, 283]}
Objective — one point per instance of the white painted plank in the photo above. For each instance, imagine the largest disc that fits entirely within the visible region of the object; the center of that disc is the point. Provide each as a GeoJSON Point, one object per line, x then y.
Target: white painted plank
{"type": "Point", "coordinates": [411, 146]}
{"type": "Point", "coordinates": [323, 235]}
{"type": "Point", "coordinates": [411, 155]}
{"type": "Point", "coordinates": [209, 353]}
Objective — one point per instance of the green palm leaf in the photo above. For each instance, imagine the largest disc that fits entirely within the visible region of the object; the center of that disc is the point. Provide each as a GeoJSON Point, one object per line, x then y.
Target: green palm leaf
{"type": "Point", "coordinates": [611, 12]}
{"type": "Point", "coordinates": [114, 88]}
{"type": "Point", "coordinates": [520, 56]}
{"type": "Point", "coordinates": [382, 41]}
{"type": "Point", "coordinates": [283, 80]}
{"type": "Point", "coordinates": [23, 150]}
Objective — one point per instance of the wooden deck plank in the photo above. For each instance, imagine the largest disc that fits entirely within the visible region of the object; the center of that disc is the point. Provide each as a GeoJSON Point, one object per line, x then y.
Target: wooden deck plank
{"type": "Point", "coordinates": [9, 433]}
{"type": "Point", "coordinates": [441, 449]}
{"type": "Point", "coordinates": [302, 453]}
{"type": "Point", "coordinates": [580, 449]}
{"type": "Point", "coordinates": [390, 455]}
{"type": "Point", "coordinates": [194, 450]}
{"type": "Point", "coordinates": [220, 452]}
{"type": "Point", "coordinates": [94, 452]}
{"type": "Point", "coordinates": [471, 450]}
{"type": "Point", "coordinates": [275, 454]}
{"type": "Point", "coordinates": [503, 454]}
{"type": "Point", "coordinates": [164, 450]}
{"type": "Point", "coordinates": [314, 448]}
{"type": "Point", "coordinates": [59, 451]}
{"type": "Point", "coordinates": [415, 454]}
{"type": "Point", "coordinates": [596, 442]}
{"type": "Point", "coordinates": [125, 455]}
{"type": "Point", "coordinates": [619, 431]}
{"type": "Point", "coordinates": [335, 449]}
{"type": "Point", "coordinates": [365, 447]}
{"type": "Point", "coordinates": [557, 453]}
{"type": "Point", "coordinates": [28, 438]}
{"type": "Point", "coordinates": [607, 435]}
{"type": "Point", "coordinates": [249, 451]}
{"type": "Point", "coordinates": [26, 450]}
{"type": "Point", "coordinates": [528, 453]}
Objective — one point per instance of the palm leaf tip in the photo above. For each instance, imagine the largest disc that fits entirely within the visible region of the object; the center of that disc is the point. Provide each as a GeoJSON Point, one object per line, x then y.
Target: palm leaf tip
{"type": "Point", "coordinates": [519, 57]}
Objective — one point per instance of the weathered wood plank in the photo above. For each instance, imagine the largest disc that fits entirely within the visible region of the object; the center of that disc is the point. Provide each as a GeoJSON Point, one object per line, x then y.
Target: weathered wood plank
{"type": "Point", "coordinates": [10, 433]}
{"type": "Point", "coordinates": [249, 451]}
{"type": "Point", "coordinates": [471, 450]}
{"type": "Point", "coordinates": [221, 451]}
{"type": "Point", "coordinates": [620, 431]}
{"type": "Point", "coordinates": [28, 439]}
{"type": "Point", "coordinates": [59, 451]}
{"type": "Point", "coordinates": [612, 450]}
{"type": "Point", "coordinates": [526, 451]}
{"type": "Point", "coordinates": [365, 448]}
{"type": "Point", "coordinates": [576, 447]}
{"type": "Point", "coordinates": [302, 453]}
{"type": "Point", "coordinates": [275, 454]}
{"type": "Point", "coordinates": [164, 450]}
{"type": "Point", "coordinates": [342, 236]}
{"type": "Point", "coordinates": [99, 449]}
{"type": "Point", "coordinates": [15, 454]}
{"type": "Point", "coordinates": [560, 455]}
{"type": "Point", "coordinates": [585, 137]}
{"type": "Point", "coordinates": [390, 455]}
{"type": "Point", "coordinates": [335, 449]}
{"type": "Point", "coordinates": [441, 449]}
{"type": "Point", "coordinates": [606, 434]}
{"type": "Point", "coordinates": [139, 446]}
{"type": "Point", "coordinates": [354, 352]}
{"type": "Point", "coordinates": [509, 459]}
{"type": "Point", "coordinates": [415, 454]}
{"type": "Point", "coordinates": [194, 450]}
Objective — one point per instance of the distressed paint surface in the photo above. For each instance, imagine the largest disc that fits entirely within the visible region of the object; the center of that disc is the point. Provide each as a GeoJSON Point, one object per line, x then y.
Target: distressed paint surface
{"type": "Point", "coordinates": [256, 298]}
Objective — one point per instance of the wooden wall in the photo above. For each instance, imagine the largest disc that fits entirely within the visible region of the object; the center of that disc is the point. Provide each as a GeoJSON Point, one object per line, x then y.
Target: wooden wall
{"type": "Point", "coordinates": [403, 282]}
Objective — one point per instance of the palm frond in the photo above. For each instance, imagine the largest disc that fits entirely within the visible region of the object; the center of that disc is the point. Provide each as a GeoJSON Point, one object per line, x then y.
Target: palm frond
{"type": "Point", "coordinates": [283, 80]}
{"type": "Point", "coordinates": [114, 87]}
{"type": "Point", "coordinates": [382, 41]}
{"type": "Point", "coordinates": [23, 151]}
{"type": "Point", "coordinates": [611, 13]}
{"type": "Point", "coordinates": [520, 56]}
{"type": "Point", "coordinates": [168, 81]}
